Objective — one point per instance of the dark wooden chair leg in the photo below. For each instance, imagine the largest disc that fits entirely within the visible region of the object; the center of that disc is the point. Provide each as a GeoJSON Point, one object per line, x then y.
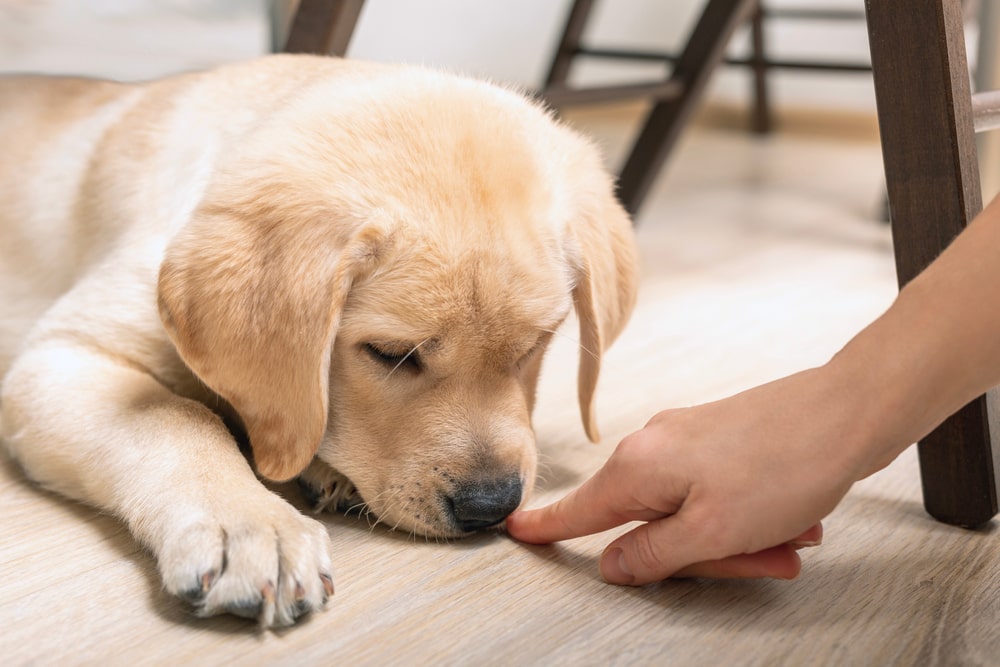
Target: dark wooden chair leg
{"type": "Point", "coordinates": [760, 114]}
{"type": "Point", "coordinates": [324, 27]}
{"type": "Point", "coordinates": [925, 119]}
{"type": "Point", "coordinates": [568, 43]}
{"type": "Point", "coordinates": [705, 49]}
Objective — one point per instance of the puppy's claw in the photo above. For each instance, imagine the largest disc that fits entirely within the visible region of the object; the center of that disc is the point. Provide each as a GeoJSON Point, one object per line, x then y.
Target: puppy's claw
{"type": "Point", "coordinates": [267, 606]}
{"type": "Point", "coordinates": [196, 594]}
{"type": "Point", "coordinates": [327, 584]}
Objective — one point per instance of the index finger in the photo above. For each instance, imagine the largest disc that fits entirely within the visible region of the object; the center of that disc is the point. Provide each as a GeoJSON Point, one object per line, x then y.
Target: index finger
{"type": "Point", "coordinates": [598, 504]}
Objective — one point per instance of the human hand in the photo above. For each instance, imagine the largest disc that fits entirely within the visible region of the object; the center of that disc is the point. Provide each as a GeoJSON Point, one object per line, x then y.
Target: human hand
{"type": "Point", "coordinates": [727, 489]}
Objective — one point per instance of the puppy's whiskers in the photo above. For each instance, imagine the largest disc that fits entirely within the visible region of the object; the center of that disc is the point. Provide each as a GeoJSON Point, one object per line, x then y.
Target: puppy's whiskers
{"type": "Point", "coordinates": [402, 513]}
{"type": "Point", "coordinates": [576, 341]}
{"type": "Point", "coordinates": [404, 358]}
{"type": "Point", "coordinates": [364, 508]}
{"type": "Point", "coordinates": [386, 499]}
{"type": "Point", "coordinates": [360, 507]}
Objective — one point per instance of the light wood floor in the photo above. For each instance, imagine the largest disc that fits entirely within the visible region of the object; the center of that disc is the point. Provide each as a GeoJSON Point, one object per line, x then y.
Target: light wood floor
{"type": "Point", "coordinates": [761, 257]}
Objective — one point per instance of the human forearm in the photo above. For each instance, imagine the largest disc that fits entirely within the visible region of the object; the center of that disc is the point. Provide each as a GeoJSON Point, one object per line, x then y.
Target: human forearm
{"type": "Point", "coordinates": [934, 350]}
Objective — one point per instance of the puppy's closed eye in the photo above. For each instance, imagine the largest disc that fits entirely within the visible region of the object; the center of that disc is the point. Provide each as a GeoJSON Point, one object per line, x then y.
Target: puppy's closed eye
{"type": "Point", "coordinates": [395, 356]}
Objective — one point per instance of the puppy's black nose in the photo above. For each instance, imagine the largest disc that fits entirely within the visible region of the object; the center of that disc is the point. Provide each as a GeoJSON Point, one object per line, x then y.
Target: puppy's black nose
{"type": "Point", "coordinates": [484, 503]}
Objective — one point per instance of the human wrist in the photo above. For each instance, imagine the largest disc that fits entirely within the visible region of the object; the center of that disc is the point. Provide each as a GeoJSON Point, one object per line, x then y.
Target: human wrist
{"type": "Point", "coordinates": [855, 397]}
{"type": "Point", "coordinates": [899, 377]}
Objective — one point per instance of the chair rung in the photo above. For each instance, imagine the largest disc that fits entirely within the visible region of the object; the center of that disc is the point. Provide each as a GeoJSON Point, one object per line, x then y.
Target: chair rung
{"type": "Point", "coordinates": [986, 110]}
{"type": "Point", "coordinates": [805, 13]}
{"type": "Point", "coordinates": [665, 57]}
{"type": "Point", "coordinates": [658, 90]}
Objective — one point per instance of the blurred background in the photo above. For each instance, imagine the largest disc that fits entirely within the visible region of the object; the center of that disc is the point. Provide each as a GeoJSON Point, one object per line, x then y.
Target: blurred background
{"type": "Point", "coordinates": [511, 41]}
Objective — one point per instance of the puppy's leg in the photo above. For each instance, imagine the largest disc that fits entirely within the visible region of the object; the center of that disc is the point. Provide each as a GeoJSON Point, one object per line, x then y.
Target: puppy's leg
{"type": "Point", "coordinates": [98, 429]}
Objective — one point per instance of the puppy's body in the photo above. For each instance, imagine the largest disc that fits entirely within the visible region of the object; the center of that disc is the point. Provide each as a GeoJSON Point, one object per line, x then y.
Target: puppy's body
{"type": "Point", "coordinates": [360, 266]}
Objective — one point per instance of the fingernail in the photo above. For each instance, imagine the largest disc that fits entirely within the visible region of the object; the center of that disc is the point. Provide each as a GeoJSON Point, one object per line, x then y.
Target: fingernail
{"type": "Point", "coordinates": [801, 544]}
{"type": "Point", "coordinates": [811, 538]}
{"type": "Point", "coordinates": [614, 569]}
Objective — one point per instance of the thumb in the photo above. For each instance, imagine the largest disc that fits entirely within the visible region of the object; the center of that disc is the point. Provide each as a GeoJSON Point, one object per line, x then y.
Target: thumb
{"type": "Point", "coordinates": [652, 552]}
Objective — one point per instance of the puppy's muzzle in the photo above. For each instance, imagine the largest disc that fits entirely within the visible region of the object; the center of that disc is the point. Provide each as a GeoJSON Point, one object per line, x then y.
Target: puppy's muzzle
{"type": "Point", "coordinates": [479, 504]}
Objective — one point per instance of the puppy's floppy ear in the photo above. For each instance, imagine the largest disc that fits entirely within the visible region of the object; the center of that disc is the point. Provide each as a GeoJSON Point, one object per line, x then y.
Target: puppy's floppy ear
{"type": "Point", "coordinates": [252, 302]}
{"type": "Point", "coordinates": [605, 289]}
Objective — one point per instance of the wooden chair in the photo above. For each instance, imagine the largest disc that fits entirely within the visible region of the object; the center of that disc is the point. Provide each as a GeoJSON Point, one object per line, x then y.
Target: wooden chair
{"type": "Point", "coordinates": [674, 99]}
{"type": "Point", "coordinates": [926, 120]}
{"type": "Point", "coordinates": [761, 63]}
{"type": "Point", "coordinates": [757, 61]}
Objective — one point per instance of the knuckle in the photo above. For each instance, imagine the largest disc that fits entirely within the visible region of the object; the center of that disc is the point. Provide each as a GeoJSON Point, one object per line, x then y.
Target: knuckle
{"type": "Point", "coordinates": [633, 450]}
{"type": "Point", "coordinates": [665, 418]}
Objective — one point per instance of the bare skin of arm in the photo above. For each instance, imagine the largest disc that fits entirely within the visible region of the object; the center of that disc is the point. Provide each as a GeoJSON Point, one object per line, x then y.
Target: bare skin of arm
{"type": "Point", "coordinates": [733, 488]}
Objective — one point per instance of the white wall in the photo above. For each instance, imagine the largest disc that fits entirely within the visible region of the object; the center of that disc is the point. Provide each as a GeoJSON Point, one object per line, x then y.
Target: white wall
{"type": "Point", "coordinates": [128, 39]}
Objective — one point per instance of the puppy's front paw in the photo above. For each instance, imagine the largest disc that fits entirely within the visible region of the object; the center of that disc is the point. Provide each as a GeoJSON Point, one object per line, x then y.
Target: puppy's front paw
{"type": "Point", "coordinates": [269, 563]}
{"type": "Point", "coordinates": [326, 489]}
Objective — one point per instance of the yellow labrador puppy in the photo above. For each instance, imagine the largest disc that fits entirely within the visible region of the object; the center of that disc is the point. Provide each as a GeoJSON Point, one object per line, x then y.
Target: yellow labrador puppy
{"type": "Point", "coordinates": [353, 268]}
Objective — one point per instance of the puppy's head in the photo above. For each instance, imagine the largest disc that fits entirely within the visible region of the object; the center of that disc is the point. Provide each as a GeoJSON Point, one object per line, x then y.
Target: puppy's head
{"type": "Point", "coordinates": [372, 283]}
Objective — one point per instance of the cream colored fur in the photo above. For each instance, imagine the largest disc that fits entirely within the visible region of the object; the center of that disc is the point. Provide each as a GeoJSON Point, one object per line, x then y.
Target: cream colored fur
{"type": "Point", "coordinates": [357, 266]}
